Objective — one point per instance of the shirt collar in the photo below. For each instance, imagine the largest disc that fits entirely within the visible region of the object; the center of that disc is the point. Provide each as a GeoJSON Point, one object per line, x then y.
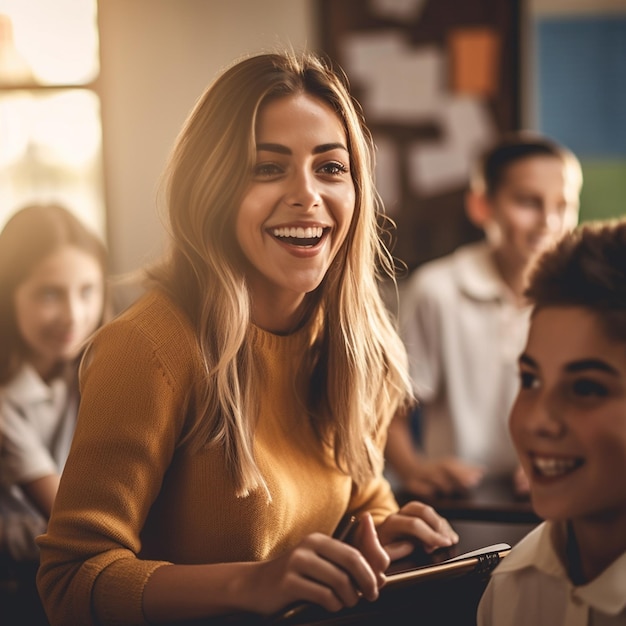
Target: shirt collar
{"type": "Point", "coordinates": [28, 388]}
{"type": "Point", "coordinates": [476, 273]}
{"type": "Point", "coordinates": [604, 593]}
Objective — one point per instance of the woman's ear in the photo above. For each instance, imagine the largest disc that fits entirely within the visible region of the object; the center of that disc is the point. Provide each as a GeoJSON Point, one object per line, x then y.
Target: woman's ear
{"type": "Point", "coordinates": [477, 208]}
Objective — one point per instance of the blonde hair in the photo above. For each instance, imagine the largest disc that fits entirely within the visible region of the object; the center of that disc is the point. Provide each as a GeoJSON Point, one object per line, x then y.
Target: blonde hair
{"type": "Point", "coordinates": [356, 371]}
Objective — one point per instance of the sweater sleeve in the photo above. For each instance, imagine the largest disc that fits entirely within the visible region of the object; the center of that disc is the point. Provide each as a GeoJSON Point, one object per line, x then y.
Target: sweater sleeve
{"type": "Point", "coordinates": [376, 498]}
{"type": "Point", "coordinates": [130, 418]}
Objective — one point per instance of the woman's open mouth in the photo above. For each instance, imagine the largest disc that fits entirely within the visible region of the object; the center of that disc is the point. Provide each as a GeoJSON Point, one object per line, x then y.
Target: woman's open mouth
{"type": "Point", "coordinates": [299, 236]}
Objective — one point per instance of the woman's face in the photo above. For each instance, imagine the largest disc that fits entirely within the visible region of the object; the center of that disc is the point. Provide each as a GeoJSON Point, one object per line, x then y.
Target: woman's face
{"type": "Point", "coordinates": [298, 207]}
{"type": "Point", "coordinates": [568, 422]}
{"type": "Point", "coordinates": [58, 306]}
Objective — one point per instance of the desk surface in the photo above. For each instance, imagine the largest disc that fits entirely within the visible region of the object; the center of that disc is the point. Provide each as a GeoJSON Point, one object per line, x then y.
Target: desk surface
{"type": "Point", "coordinates": [492, 501]}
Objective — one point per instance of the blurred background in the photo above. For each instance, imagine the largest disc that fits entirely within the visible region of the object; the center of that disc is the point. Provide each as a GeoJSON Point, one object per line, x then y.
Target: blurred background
{"type": "Point", "coordinates": [93, 94]}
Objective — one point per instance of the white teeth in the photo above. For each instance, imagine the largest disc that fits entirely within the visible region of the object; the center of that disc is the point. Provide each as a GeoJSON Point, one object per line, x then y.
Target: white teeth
{"type": "Point", "coordinates": [550, 467]}
{"type": "Point", "coordinates": [310, 232]}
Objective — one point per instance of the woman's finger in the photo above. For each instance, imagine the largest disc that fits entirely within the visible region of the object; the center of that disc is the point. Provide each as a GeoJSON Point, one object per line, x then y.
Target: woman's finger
{"type": "Point", "coordinates": [418, 522]}
{"type": "Point", "coordinates": [367, 541]}
{"type": "Point", "coordinates": [351, 567]}
{"type": "Point", "coordinates": [399, 549]}
{"type": "Point", "coordinates": [418, 510]}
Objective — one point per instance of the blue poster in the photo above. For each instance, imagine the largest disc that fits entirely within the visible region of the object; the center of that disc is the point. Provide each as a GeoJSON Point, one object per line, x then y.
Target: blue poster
{"type": "Point", "coordinates": [581, 83]}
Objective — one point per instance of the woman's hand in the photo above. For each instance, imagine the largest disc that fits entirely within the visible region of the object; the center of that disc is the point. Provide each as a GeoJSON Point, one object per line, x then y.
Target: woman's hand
{"type": "Point", "coordinates": [320, 570]}
{"type": "Point", "coordinates": [415, 521]}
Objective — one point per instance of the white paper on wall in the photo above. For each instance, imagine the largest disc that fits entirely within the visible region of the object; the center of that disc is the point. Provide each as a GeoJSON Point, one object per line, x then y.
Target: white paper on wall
{"type": "Point", "coordinates": [402, 10]}
{"type": "Point", "coordinates": [468, 129]}
{"type": "Point", "coordinates": [403, 84]}
{"type": "Point", "coordinates": [406, 85]}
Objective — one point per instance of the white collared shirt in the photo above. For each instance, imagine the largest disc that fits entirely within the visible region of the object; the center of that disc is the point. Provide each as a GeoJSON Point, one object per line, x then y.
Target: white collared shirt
{"type": "Point", "coordinates": [463, 332]}
{"type": "Point", "coordinates": [36, 427]}
{"type": "Point", "coordinates": [531, 587]}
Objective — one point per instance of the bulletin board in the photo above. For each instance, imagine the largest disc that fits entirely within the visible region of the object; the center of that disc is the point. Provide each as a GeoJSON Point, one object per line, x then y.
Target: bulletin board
{"type": "Point", "coordinates": [438, 81]}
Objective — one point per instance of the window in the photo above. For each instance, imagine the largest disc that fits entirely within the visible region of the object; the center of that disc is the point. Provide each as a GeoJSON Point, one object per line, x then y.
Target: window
{"type": "Point", "coordinates": [50, 125]}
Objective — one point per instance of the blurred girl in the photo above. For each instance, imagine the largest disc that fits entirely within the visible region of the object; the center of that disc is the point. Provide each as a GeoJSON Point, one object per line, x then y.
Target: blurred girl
{"type": "Point", "coordinates": [52, 289]}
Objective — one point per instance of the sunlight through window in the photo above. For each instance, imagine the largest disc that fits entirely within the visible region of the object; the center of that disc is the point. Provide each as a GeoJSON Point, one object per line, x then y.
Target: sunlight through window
{"type": "Point", "coordinates": [50, 129]}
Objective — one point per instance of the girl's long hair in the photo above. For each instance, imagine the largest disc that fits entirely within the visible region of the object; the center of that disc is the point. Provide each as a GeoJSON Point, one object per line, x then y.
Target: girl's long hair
{"type": "Point", "coordinates": [356, 373]}
{"type": "Point", "coordinates": [31, 234]}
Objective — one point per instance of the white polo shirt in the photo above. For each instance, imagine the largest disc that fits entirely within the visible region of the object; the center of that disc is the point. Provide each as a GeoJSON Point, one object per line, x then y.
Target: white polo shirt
{"type": "Point", "coordinates": [36, 427]}
{"type": "Point", "coordinates": [463, 332]}
{"type": "Point", "coordinates": [530, 587]}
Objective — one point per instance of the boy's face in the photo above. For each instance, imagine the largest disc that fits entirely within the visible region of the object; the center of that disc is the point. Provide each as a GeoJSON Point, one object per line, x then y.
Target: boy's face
{"type": "Point", "coordinates": [536, 203]}
{"type": "Point", "coordinates": [568, 422]}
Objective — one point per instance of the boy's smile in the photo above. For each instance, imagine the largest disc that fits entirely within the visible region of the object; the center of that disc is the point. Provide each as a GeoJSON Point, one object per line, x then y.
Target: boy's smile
{"type": "Point", "coordinates": [569, 420]}
{"type": "Point", "coordinates": [548, 467]}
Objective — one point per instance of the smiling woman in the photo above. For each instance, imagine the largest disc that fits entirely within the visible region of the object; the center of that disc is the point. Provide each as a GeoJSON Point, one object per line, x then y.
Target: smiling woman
{"type": "Point", "coordinates": [296, 212]}
{"type": "Point", "coordinates": [241, 405]}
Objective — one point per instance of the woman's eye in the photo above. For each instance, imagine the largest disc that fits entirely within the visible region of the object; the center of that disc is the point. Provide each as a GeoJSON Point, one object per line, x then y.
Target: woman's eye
{"type": "Point", "coordinates": [589, 388]}
{"type": "Point", "coordinates": [266, 170]}
{"type": "Point", "coordinates": [527, 380]}
{"type": "Point", "coordinates": [334, 168]}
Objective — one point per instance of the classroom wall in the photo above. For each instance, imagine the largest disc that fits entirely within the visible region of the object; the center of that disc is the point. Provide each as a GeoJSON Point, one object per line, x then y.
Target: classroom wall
{"type": "Point", "coordinates": [158, 55]}
{"type": "Point", "coordinates": [156, 58]}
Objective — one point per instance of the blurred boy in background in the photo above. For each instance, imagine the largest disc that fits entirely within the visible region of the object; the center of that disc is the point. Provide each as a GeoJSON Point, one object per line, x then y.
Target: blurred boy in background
{"type": "Point", "coordinates": [464, 319]}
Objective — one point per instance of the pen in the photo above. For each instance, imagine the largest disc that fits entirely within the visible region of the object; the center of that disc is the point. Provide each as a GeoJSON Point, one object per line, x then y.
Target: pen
{"type": "Point", "coordinates": [343, 533]}
{"type": "Point", "coordinates": [346, 530]}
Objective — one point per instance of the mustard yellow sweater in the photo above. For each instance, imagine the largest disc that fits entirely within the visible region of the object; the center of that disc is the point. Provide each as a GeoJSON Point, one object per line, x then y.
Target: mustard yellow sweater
{"type": "Point", "coordinates": [130, 501]}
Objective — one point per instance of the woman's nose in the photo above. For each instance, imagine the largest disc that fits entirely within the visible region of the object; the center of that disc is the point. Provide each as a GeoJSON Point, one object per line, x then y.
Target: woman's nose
{"type": "Point", "coordinates": [303, 191]}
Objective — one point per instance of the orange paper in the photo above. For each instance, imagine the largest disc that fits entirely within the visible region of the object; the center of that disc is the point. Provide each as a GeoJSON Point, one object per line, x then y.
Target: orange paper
{"type": "Point", "coordinates": [474, 60]}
